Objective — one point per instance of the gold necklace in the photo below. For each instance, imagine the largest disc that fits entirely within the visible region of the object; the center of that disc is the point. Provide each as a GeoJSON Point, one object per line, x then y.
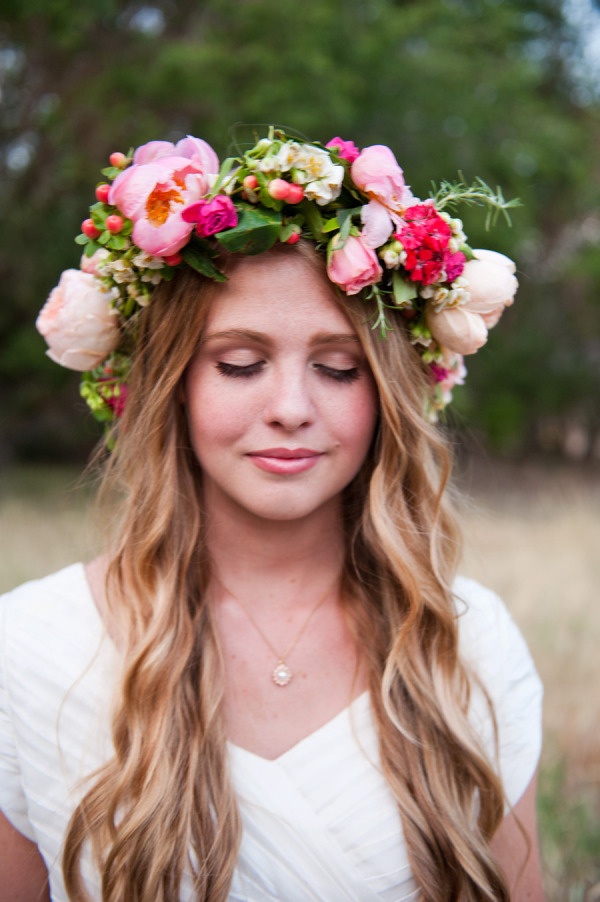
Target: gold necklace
{"type": "Point", "coordinates": [282, 674]}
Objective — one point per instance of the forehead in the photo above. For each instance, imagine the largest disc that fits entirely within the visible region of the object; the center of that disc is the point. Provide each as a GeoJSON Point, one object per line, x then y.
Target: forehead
{"type": "Point", "coordinates": [274, 292]}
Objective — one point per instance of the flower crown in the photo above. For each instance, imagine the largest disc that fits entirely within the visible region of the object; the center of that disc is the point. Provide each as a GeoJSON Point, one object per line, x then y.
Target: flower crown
{"type": "Point", "coordinates": [170, 205]}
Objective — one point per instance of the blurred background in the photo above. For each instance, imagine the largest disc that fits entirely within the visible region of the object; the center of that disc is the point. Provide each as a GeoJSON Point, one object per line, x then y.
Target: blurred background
{"type": "Point", "coordinates": [502, 89]}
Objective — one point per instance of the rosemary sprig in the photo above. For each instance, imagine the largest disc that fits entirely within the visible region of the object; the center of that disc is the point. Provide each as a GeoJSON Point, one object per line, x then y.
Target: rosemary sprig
{"type": "Point", "coordinates": [479, 193]}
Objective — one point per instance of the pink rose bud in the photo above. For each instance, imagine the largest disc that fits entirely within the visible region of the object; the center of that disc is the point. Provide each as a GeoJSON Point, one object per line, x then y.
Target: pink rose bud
{"type": "Point", "coordinates": [88, 228]}
{"type": "Point", "coordinates": [353, 266]}
{"type": "Point", "coordinates": [114, 223]}
{"type": "Point", "coordinates": [294, 238]}
{"type": "Point", "coordinates": [279, 189]}
{"type": "Point", "coordinates": [250, 182]}
{"type": "Point", "coordinates": [173, 259]}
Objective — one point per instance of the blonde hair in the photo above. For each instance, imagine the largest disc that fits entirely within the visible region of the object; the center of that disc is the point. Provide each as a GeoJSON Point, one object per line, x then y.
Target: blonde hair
{"type": "Point", "coordinates": [165, 804]}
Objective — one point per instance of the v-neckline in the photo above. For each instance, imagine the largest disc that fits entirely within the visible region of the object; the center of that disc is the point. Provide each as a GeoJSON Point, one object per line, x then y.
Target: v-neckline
{"type": "Point", "coordinates": [356, 707]}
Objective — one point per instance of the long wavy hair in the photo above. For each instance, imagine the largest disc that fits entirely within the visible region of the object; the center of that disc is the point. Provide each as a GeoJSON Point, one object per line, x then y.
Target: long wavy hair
{"type": "Point", "coordinates": [164, 805]}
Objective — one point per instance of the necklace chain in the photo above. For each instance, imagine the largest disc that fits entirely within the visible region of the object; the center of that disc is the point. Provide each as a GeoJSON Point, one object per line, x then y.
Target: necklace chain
{"type": "Point", "coordinates": [281, 675]}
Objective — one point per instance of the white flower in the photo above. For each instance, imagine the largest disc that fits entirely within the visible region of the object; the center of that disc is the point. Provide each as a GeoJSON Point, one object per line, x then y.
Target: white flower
{"type": "Point", "coordinates": [322, 191]}
{"type": "Point", "coordinates": [120, 271]}
{"type": "Point", "coordinates": [392, 257]}
{"type": "Point", "coordinates": [147, 261]}
{"type": "Point", "coordinates": [283, 160]}
{"type": "Point", "coordinates": [315, 164]}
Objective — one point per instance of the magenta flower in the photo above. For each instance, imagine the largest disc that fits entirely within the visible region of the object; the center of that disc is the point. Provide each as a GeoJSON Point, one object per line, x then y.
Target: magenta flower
{"type": "Point", "coordinates": [211, 216]}
{"type": "Point", "coordinates": [347, 150]}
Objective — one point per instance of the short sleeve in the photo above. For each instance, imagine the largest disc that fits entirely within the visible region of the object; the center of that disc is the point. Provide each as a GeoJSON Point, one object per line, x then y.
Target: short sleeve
{"type": "Point", "coordinates": [13, 803]}
{"type": "Point", "coordinates": [493, 646]}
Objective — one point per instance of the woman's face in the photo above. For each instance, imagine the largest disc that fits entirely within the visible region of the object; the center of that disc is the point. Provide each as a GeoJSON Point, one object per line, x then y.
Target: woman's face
{"type": "Point", "coordinates": [280, 401]}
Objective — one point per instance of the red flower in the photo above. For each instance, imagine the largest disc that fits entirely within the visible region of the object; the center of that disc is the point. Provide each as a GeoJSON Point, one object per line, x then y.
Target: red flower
{"type": "Point", "coordinates": [425, 238]}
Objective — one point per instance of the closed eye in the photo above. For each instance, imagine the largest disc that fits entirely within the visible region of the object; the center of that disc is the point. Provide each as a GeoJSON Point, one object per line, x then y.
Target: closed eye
{"type": "Point", "coordinates": [347, 375]}
{"type": "Point", "coordinates": [235, 371]}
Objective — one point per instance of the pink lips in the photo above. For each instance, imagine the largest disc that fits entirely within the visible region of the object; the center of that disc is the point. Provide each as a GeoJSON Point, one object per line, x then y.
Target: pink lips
{"type": "Point", "coordinates": [285, 460]}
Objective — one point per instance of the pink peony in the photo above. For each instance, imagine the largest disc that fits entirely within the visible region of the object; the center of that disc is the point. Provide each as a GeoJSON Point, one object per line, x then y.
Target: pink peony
{"type": "Point", "coordinates": [194, 149]}
{"type": "Point", "coordinates": [153, 193]}
{"type": "Point", "coordinates": [376, 172]}
{"type": "Point", "coordinates": [347, 150]}
{"type": "Point", "coordinates": [353, 266]}
{"type": "Point", "coordinates": [78, 322]}
{"type": "Point", "coordinates": [211, 216]}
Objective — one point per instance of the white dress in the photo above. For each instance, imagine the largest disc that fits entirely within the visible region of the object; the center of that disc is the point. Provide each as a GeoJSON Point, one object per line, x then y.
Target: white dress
{"type": "Point", "coordinates": [319, 822]}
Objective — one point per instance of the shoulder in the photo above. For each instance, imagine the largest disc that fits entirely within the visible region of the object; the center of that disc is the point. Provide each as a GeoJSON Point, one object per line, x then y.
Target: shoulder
{"type": "Point", "coordinates": [46, 620]}
{"type": "Point", "coordinates": [489, 639]}
{"type": "Point", "coordinates": [496, 654]}
{"type": "Point", "coordinates": [67, 590]}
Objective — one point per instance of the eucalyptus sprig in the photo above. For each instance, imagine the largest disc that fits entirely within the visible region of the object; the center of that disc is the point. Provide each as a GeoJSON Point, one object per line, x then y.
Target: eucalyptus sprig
{"type": "Point", "coordinates": [479, 193]}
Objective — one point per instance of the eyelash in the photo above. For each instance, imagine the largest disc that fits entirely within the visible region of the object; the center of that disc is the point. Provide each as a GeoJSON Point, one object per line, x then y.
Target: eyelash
{"type": "Point", "coordinates": [234, 371]}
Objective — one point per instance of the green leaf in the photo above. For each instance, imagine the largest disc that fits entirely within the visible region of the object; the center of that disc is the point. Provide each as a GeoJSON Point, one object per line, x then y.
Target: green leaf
{"type": "Point", "coordinates": [330, 225]}
{"type": "Point", "coordinates": [226, 167]}
{"type": "Point", "coordinates": [404, 292]}
{"type": "Point", "coordinates": [314, 219]}
{"type": "Point", "coordinates": [91, 248]}
{"type": "Point", "coordinates": [118, 242]}
{"type": "Point", "coordinates": [256, 231]}
{"type": "Point", "coordinates": [200, 260]}
{"type": "Point", "coordinates": [111, 172]}
{"type": "Point", "coordinates": [104, 238]}
{"type": "Point", "coordinates": [82, 239]}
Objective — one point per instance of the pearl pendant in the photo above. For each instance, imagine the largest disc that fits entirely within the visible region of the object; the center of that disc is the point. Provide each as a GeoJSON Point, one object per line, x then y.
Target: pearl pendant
{"type": "Point", "coordinates": [281, 674]}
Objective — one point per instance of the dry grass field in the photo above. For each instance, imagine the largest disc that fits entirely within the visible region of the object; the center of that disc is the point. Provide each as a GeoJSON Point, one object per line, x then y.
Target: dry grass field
{"type": "Point", "coordinates": [532, 534]}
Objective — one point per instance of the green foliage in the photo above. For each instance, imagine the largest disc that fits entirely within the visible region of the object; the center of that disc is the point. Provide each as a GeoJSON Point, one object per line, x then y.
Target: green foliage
{"type": "Point", "coordinates": [479, 87]}
{"type": "Point", "coordinates": [569, 827]}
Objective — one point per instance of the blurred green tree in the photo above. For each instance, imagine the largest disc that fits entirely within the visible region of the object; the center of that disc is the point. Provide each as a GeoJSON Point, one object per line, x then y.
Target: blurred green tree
{"type": "Point", "coordinates": [489, 87]}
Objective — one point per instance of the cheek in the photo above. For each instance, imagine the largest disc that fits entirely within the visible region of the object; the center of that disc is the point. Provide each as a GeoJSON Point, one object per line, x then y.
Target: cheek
{"type": "Point", "coordinates": [356, 420]}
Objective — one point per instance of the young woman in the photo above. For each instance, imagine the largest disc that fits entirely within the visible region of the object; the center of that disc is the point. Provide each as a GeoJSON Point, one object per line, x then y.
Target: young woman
{"type": "Point", "coordinates": [271, 686]}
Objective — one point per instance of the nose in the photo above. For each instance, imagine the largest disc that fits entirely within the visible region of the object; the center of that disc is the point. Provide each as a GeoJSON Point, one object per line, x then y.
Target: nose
{"type": "Point", "coordinates": [290, 404]}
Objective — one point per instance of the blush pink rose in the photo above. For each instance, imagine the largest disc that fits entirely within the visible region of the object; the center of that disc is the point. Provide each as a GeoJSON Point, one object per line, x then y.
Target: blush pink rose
{"type": "Point", "coordinates": [347, 150]}
{"type": "Point", "coordinates": [492, 284]}
{"type": "Point", "coordinates": [456, 329]}
{"type": "Point", "coordinates": [353, 266]}
{"type": "Point", "coordinates": [78, 322]}
{"type": "Point", "coordinates": [211, 216]}
{"type": "Point", "coordinates": [377, 174]}
{"type": "Point", "coordinates": [152, 194]}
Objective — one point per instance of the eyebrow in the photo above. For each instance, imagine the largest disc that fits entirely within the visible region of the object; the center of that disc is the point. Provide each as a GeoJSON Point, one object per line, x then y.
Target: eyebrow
{"type": "Point", "coordinates": [321, 338]}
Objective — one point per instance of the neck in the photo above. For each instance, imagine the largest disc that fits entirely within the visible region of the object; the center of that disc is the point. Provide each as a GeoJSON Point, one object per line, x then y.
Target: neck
{"type": "Point", "coordinates": [278, 561]}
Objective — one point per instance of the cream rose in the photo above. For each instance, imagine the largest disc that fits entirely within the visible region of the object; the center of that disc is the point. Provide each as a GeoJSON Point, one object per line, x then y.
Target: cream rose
{"type": "Point", "coordinates": [78, 322]}
{"type": "Point", "coordinates": [490, 286]}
